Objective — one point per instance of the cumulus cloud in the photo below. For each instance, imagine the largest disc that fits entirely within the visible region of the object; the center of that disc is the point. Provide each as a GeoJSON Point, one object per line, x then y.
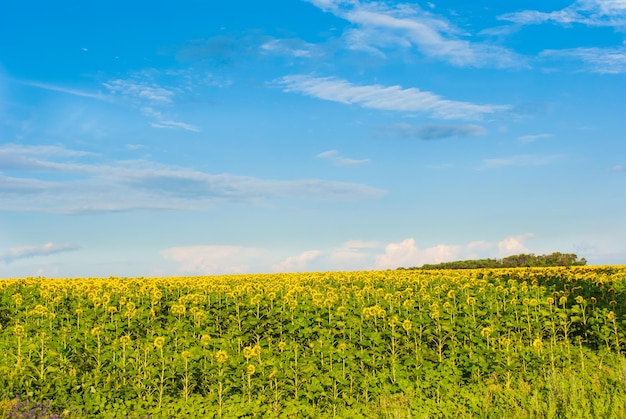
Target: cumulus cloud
{"type": "Point", "coordinates": [213, 260]}
{"type": "Point", "coordinates": [296, 263]}
{"type": "Point", "coordinates": [338, 160]}
{"type": "Point", "coordinates": [407, 254]}
{"type": "Point", "coordinates": [389, 98]}
{"type": "Point", "coordinates": [24, 252]}
{"type": "Point", "coordinates": [513, 245]}
{"type": "Point", "coordinates": [377, 27]}
{"type": "Point", "coordinates": [140, 184]}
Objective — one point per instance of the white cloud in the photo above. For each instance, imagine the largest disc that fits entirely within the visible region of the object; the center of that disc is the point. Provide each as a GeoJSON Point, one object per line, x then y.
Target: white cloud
{"type": "Point", "coordinates": [587, 12]}
{"type": "Point", "coordinates": [212, 260]}
{"type": "Point", "coordinates": [296, 263]}
{"type": "Point", "coordinates": [520, 160]}
{"type": "Point", "coordinates": [533, 137]}
{"type": "Point", "coordinates": [597, 60]}
{"type": "Point", "coordinates": [162, 122]}
{"type": "Point", "coordinates": [24, 252]}
{"type": "Point", "coordinates": [390, 98]}
{"type": "Point", "coordinates": [291, 47]}
{"type": "Point", "coordinates": [353, 255]}
{"type": "Point", "coordinates": [338, 160]}
{"type": "Point", "coordinates": [378, 26]}
{"type": "Point", "coordinates": [141, 90]}
{"type": "Point", "coordinates": [407, 254]}
{"type": "Point", "coordinates": [66, 90]}
{"type": "Point", "coordinates": [140, 184]}
{"type": "Point", "coordinates": [513, 245]}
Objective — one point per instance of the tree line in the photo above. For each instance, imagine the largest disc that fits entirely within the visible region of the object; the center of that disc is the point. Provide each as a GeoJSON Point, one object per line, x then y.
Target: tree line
{"type": "Point", "coordinates": [515, 261]}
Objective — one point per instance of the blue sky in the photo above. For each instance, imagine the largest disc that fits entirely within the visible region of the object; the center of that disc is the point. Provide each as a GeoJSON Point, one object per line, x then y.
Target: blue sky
{"type": "Point", "coordinates": [194, 137]}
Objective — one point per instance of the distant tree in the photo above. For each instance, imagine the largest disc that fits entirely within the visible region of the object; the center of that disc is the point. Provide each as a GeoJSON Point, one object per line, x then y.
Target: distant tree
{"type": "Point", "coordinates": [514, 261]}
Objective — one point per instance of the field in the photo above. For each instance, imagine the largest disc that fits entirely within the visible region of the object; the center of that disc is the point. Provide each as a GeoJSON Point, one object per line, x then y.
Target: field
{"type": "Point", "coordinates": [524, 342]}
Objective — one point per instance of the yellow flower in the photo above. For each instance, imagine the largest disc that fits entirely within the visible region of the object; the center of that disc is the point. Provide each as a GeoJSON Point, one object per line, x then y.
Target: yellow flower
{"type": "Point", "coordinates": [250, 369]}
{"type": "Point", "coordinates": [407, 325]}
{"type": "Point", "coordinates": [611, 316]}
{"type": "Point", "coordinates": [281, 346]}
{"type": "Point", "coordinates": [159, 342]}
{"type": "Point", "coordinates": [486, 332]}
{"type": "Point", "coordinates": [393, 321]}
{"type": "Point", "coordinates": [18, 330]}
{"type": "Point", "coordinates": [580, 299]}
{"type": "Point", "coordinates": [95, 331]}
{"type": "Point", "coordinates": [538, 344]}
{"type": "Point", "coordinates": [185, 354]}
{"type": "Point", "coordinates": [256, 350]}
{"type": "Point", "coordinates": [221, 356]}
{"type": "Point", "coordinates": [204, 340]}
{"type": "Point", "coordinates": [247, 352]}
{"type": "Point", "coordinates": [125, 340]}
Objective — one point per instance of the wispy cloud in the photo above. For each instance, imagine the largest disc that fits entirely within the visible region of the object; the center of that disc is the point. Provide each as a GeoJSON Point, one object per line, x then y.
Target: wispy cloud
{"type": "Point", "coordinates": [66, 90]}
{"type": "Point", "coordinates": [438, 132]}
{"type": "Point", "coordinates": [291, 47]}
{"type": "Point", "coordinates": [533, 137]}
{"type": "Point", "coordinates": [338, 160]}
{"type": "Point", "coordinates": [141, 184]}
{"type": "Point", "coordinates": [520, 160]}
{"type": "Point", "coordinates": [141, 90]}
{"type": "Point", "coordinates": [24, 252]}
{"type": "Point", "coordinates": [389, 98]}
{"type": "Point", "coordinates": [379, 26]}
{"type": "Point", "coordinates": [597, 60]}
{"type": "Point", "coordinates": [587, 12]}
{"type": "Point", "coordinates": [618, 168]}
{"type": "Point", "coordinates": [162, 122]}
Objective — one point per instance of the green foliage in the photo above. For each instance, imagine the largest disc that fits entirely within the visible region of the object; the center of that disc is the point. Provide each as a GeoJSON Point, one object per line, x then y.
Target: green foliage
{"type": "Point", "coordinates": [515, 261]}
{"type": "Point", "coordinates": [525, 342]}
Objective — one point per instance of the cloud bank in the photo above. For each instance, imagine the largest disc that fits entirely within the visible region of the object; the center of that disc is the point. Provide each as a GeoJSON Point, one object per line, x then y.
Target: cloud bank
{"type": "Point", "coordinates": [86, 187]}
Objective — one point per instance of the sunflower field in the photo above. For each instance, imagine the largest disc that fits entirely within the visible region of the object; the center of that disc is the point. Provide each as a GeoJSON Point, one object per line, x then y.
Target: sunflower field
{"type": "Point", "coordinates": [522, 342]}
